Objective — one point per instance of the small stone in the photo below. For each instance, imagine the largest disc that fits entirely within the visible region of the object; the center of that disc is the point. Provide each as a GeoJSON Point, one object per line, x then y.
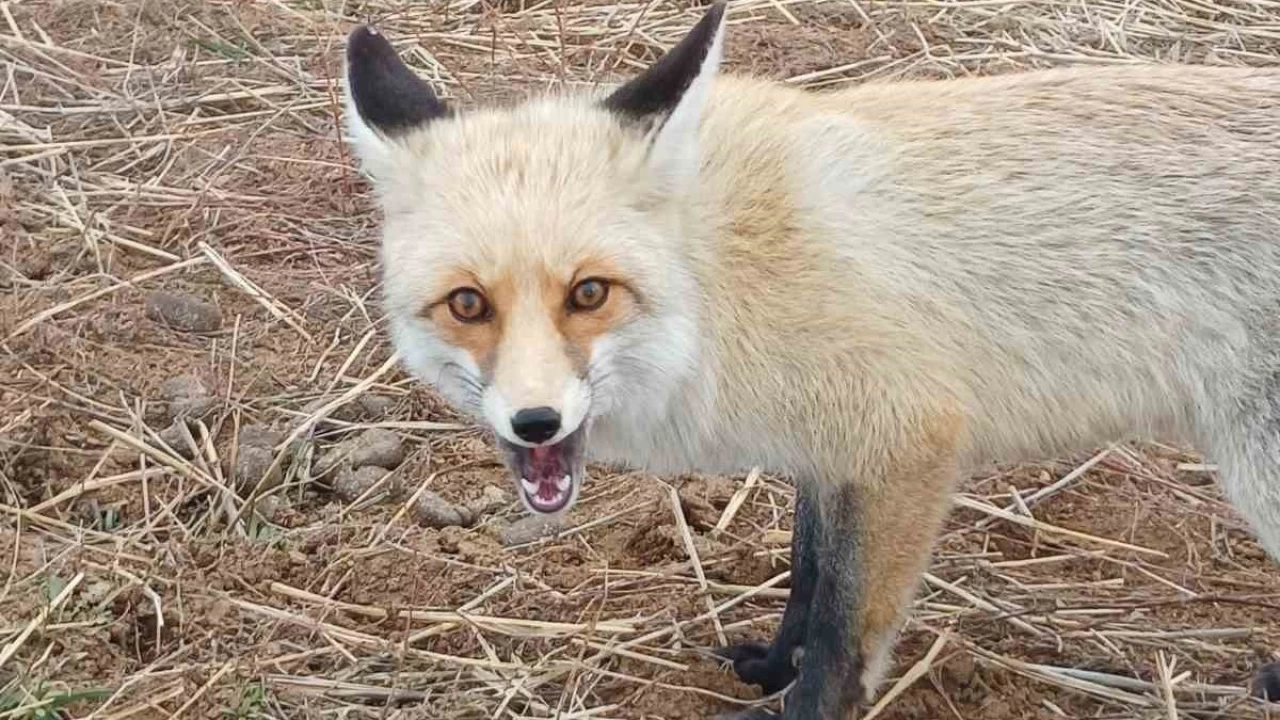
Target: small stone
{"type": "Point", "coordinates": [375, 407]}
{"type": "Point", "coordinates": [960, 671]}
{"type": "Point", "coordinates": [378, 447]}
{"type": "Point", "coordinates": [260, 436]}
{"type": "Point", "coordinates": [183, 312]}
{"type": "Point", "coordinates": [349, 412]}
{"type": "Point", "coordinates": [528, 529]}
{"type": "Point", "coordinates": [269, 506]}
{"type": "Point", "coordinates": [436, 512]}
{"type": "Point", "coordinates": [252, 463]}
{"type": "Point", "coordinates": [491, 498]}
{"type": "Point", "coordinates": [188, 397]}
{"type": "Point", "coordinates": [353, 483]}
{"type": "Point", "coordinates": [375, 447]}
{"type": "Point", "coordinates": [175, 436]}
{"type": "Point", "coordinates": [184, 386]}
{"type": "Point", "coordinates": [96, 592]}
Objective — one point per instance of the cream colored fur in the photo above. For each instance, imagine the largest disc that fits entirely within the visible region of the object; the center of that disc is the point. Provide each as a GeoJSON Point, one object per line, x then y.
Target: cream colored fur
{"type": "Point", "coordinates": [1043, 262]}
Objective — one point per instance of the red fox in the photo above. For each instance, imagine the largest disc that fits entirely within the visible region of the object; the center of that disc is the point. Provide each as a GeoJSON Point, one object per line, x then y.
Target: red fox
{"type": "Point", "coordinates": [872, 291]}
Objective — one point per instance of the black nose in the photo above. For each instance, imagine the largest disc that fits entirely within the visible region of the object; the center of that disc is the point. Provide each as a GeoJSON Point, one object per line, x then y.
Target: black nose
{"type": "Point", "coordinates": [536, 425]}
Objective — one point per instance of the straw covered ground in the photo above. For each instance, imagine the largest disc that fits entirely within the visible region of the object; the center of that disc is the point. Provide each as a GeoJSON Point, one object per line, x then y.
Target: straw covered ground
{"type": "Point", "coordinates": [221, 497]}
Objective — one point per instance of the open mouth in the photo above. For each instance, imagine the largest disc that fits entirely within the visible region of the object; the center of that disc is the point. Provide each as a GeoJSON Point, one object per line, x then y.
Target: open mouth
{"type": "Point", "coordinates": [548, 476]}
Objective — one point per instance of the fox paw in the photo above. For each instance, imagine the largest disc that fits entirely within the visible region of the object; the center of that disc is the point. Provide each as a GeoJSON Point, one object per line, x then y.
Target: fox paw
{"type": "Point", "coordinates": [753, 663]}
{"type": "Point", "coordinates": [1266, 683]}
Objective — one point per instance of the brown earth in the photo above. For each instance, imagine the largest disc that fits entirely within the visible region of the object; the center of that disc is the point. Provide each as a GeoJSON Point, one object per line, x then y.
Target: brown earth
{"type": "Point", "coordinates": [142, 140]}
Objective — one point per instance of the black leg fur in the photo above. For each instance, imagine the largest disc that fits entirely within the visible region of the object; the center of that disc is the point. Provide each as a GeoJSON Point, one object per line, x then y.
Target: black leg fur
{"type": "Point", "coordinates": [829, 683]}
{"type": "Point", "coordinates": [771, 666]}
{"type": "Point", "coordinates": [1266, 683]}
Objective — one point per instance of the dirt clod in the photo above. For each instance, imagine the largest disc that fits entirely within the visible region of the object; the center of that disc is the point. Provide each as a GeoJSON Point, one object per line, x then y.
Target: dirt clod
{"type": "Point", "coordinates": [183, 312]}
{"type": "Point", "coordinates": [187, 397]}
{"type": "Point", "coordinates": [260, 436]}
{"type": "Point", "coordinates": [372, 448]}
{"type": "Point", "coordinates": [374, 407]}
{"type": "Point", "coordinates": [270, 506]}
{"type": "Point", "coordinates": [351, 483]}
{"type": "Point", "coordinates": [252, 464]}
{"type": "Point", "coordinates": [528, 529]}
{"type": "Point", "coordinates": [491, 498]}
{"type": "Point", "coordinates": [434, 511]}
{"type": "Point", "coordinates": [175, 436]}
{"type": "Point", "coordinates": [704, 499]}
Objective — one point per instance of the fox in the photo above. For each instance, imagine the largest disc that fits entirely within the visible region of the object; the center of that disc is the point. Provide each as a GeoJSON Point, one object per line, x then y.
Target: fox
{"type": "Point", "coordinates": [872, 291]}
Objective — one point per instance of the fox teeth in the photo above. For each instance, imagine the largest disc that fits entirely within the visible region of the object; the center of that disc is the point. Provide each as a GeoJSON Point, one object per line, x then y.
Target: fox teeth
{"type": "Point", "coordinates": [529, 487]}
{"type": "Point", "coordinates": [563, 483]}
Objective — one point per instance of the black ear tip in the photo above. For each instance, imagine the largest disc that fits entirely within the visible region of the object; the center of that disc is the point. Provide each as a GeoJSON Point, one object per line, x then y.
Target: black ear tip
{"type": "Point", "coordinates": [659, 89]}
{"type": "Point", "coordinates": [387, 94]}
{"type": "Point", "coordinates": [716, 12]}
{"type": "Point", "coordinates": [366, 43]}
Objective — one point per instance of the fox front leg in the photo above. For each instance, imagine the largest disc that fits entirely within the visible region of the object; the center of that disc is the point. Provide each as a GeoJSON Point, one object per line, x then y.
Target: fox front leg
{"type": "Point", "coordinates": [873, 542]}
{"type": "Point", "coordinates": [772, 666]}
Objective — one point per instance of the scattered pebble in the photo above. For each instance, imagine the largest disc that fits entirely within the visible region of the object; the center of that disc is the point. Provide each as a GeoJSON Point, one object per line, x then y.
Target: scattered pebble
{"type": "Point", "coordinates": [375, 447]}
{"type": "Point", "coordinates": [183, 312]}
{"type": "Point", "coordinates": [378, 447]}
{"type": "Point", "coordinates": [375, 407]}
{"type": "Point", "coordinates": [366, 408]}
{"type": "Point", "coordinates": [175, 436]}
{"type": "Point", "coordinates": [260, 436]}
{"type": "Point", "coordinates": [960, 671]}
{"type": "Point", "coordinates": [528, 529]}
{"type": "Point", "coordinates": [436, 512]}
{"type": "Point", "coordinates": [491, 498]}
{"type": "Point", "coordinates": [346, 413]}
{"type": "Point", "coordinates": [187, 396]}
{"type": "Point", "coordinates": [92, 593]}
{"type": "Point", "coordinates": [255, 451]}
{"type": "Point", "coordinates": [269, 506]}
{"type": "Point", "coordinates": [252, 463]}
{"type": "Point", "coordinates": [354, 482]}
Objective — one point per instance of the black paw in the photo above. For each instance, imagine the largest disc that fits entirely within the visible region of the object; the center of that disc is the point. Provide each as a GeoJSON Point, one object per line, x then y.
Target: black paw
{"type": "Point", "coordinates": [1266, 683]}
{"type": "Point", "coordinates": [755, 666]}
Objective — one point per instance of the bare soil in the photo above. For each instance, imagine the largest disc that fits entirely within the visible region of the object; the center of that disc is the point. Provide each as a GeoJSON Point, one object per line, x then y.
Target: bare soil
{"type": "Point", "coordinates": [191, 149]}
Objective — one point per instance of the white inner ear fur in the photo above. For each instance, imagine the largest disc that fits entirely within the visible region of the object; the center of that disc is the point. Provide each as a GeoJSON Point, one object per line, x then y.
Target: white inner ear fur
{"type": "Point", "coordinates": [372, 149]}
{"type": "Point", "coordinates": [674, 157]}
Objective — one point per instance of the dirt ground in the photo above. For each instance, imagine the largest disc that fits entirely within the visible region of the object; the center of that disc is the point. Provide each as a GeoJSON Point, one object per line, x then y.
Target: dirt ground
{"type": "Point", "coordinates": [221, 498]}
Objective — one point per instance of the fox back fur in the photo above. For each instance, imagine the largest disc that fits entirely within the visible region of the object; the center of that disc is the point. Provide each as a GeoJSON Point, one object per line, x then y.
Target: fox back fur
{"type": "Point", "coordinates": [873, 290]}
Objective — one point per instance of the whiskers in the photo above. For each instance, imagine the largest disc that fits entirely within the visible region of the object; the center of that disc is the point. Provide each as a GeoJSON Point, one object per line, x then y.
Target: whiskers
{"type": "Point", "coordinates": [472, 390]}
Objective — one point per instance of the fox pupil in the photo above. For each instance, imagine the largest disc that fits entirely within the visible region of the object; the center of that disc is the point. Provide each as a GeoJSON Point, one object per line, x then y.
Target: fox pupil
{"type": "Point", "coordinates": [589, 294]}
{"type": "Point", "coordinates": [467, 305]}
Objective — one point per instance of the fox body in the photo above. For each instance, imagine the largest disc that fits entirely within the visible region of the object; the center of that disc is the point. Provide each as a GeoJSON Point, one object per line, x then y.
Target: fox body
{"type": "Point", "coordinates": [873, 291]}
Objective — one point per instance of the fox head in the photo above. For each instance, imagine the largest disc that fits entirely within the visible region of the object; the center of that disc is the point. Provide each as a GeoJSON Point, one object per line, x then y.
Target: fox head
{"type": "Point", "coordinates": [534, 268]}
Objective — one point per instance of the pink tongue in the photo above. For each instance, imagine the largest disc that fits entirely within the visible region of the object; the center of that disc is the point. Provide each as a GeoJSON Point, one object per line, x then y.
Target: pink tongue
{"type": "Point", "coordinates": [545, 463]}
{"type": "Point", "coordinates": [546, 469]}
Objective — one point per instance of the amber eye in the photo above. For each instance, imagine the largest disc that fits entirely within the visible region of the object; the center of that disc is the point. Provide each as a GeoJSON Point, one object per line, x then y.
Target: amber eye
{"type": "Point", "coordinates": [468, 305]}
{"type": "Point", "coordinates": [589, 294]}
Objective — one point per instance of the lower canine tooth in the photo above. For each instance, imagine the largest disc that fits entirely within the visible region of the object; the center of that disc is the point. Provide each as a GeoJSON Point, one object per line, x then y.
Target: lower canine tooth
{"type": "Point", "coordinates": [529, 487]}
{"type": "Point", "coordinates": [563, 483]}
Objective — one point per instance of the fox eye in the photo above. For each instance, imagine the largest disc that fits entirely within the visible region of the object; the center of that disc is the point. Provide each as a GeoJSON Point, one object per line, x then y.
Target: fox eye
{"type": "Point", "coordinates": [468, 305]}
{"type": "Point", "coordinates": [589, 294]}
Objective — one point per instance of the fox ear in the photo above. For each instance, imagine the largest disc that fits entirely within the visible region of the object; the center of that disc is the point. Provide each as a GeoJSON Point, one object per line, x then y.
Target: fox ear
{"type": "Point", "coordinates": [384, 99]}
{"type": "Point", "coordinates": [669, 97]}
